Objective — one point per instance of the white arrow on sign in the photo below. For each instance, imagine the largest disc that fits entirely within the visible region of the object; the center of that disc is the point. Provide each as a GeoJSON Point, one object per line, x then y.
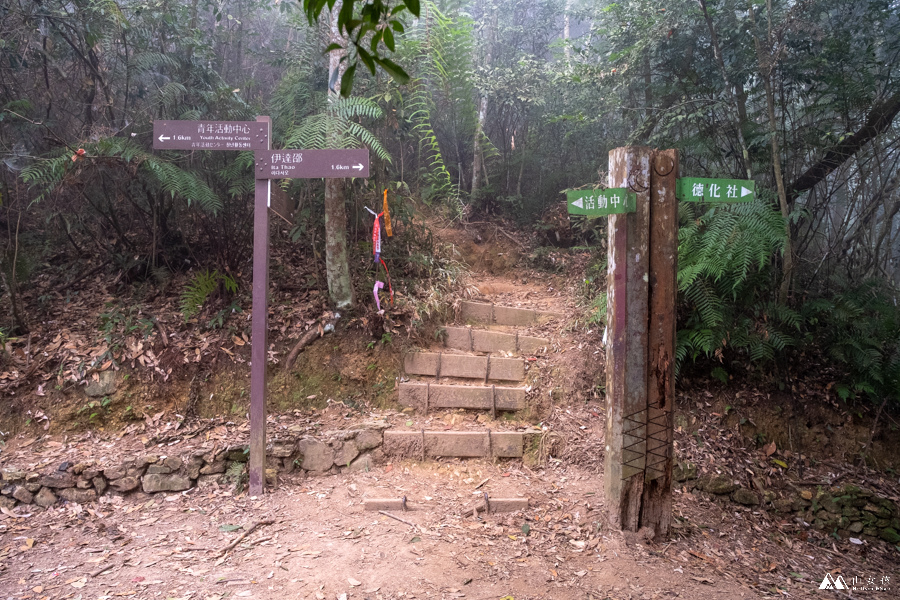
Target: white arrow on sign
{"type": "Point", "coordinates": [579, 203]}
{"type": "Point", "coordinates": [358, 167]}
{"type": "Point", "coordinates": [745, 191]}
{"type": "Point", "coordinates": [163, 138]}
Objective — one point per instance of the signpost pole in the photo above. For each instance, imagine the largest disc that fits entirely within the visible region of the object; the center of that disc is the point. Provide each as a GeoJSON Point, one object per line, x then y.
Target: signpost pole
{"type": "Point", "coordinates": [626, 357]}
{"type": "Point", "coordinates": [260, 323]}
{"type": "Point", "coordinates": [641, 326]}
{"type": "Point", "coordinates": [282, 164]}
{"type": "Point", "coordinates": [656, 510]}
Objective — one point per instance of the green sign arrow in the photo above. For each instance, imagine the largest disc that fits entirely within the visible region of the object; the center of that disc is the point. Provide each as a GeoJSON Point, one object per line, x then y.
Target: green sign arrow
{"type": "Point", "coordinates": [700, 189]}
{"type": "Point", "coordinates": [595, 203]}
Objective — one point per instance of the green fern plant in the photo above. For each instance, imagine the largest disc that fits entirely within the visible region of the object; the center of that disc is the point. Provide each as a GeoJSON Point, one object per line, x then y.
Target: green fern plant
{"type": "Point", "coordinates": [200, 288]}
{"type": "Point", "coordinates": [237, 475]}
{"type": "Point", "coordinates": [724, 258]}
{"type": "Point", "coordinates": [335, 127]}
{"type": "Point", "coordinates": [49, 174]}
{"type": "Point", "coordinates": [860, 331]}
{"type": "Point", "coordinates": [442, 98]}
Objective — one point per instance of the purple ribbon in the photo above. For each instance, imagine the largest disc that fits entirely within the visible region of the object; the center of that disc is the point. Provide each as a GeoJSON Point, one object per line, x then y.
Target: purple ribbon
{"type": "Point", "coordinates": [378, 285]}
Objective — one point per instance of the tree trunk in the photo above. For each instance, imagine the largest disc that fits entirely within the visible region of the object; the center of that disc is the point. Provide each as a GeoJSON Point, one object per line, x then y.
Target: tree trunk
{"type": "Point", "coordinates": [523, 141]}
{"type": "Point", "coordinates": [478, 157]}
{"type": "Point", "coordinates": [8, 276]}
{"type": "Point", "coordinates": [766, 66]}
{"type": "Point", "coordinates": [337, 267]}
{"type": "Point", "coordinates": [729, 87]}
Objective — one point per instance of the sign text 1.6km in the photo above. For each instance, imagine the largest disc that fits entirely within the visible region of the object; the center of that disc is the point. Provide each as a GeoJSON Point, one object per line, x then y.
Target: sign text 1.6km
{"type": "Point", "coordinates": [210, 135]}
{"type": "Point", "coordinates": [597, 203]}
{"type": "Point", "coordinates": [700, 189]}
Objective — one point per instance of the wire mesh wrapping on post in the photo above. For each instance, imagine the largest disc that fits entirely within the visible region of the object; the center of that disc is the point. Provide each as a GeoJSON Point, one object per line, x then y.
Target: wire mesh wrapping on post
{"type": "Point", "coordinates": [657, 451]}
{"type": "Point", "coordinates": [634, 426]}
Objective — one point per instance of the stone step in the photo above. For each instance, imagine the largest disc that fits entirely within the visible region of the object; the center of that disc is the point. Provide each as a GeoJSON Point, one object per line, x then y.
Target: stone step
{"type": "Point", "coordinates": [495, 505]}
{"type": "Point", "coordinates": [480, 340]}
{"type": "Point", "coordinates": [458, 444]}
{"type": "Point", "coordinates": [503, 315]}
{"type": "Point", "coordinates": [463, 365]}
{"type": "Point", "coordinates": [426, 396]}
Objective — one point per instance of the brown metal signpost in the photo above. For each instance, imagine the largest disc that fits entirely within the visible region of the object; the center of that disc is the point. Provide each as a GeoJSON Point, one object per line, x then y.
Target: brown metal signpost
{"type": "Point", "coordinates": [259, 341]}
{"type": "Point", "coordinates": [280, 164]}
{"type": "Point", "coordinates": [640, 376]}
{"type": "Point", "coordinates": [270, 164]}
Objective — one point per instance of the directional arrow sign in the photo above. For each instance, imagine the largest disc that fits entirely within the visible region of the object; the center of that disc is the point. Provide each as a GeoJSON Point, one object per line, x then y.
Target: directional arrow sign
{"type": "Point", "coordinates": [210, 135]}
{"type": "Point", "coordinates": [312, 164]}
{"type": "Point", "coordinates": [601, 202]}
{"type": "Point", "coordinates": [699, 189]}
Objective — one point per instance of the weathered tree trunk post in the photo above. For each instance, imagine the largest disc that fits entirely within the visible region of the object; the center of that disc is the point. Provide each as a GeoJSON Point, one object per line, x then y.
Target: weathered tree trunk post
{"type": "Point", "coordinates": [656, 511]}
{"type": "Point", "coordinates": [337, 263]}
{"type": "Point", "coordinates": [259, 329]}
{"type": "Point", "coordinates": [640, 357]}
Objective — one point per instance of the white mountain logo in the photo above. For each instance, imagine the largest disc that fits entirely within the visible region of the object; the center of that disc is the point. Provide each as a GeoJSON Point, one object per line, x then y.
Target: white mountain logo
{"type": "Point", "coordinates": [831, 583]}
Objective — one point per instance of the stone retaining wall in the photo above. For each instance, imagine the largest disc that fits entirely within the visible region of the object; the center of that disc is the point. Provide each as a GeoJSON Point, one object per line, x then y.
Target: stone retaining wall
{"type": "Point", "coordinates": [356, 449]}
{"type": "Point", "coordinates": [847, 511]}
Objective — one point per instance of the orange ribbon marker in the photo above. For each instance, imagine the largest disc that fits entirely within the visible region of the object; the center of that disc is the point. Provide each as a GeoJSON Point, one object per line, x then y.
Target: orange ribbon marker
{"type": "Point", "coordinates": [387, 216]}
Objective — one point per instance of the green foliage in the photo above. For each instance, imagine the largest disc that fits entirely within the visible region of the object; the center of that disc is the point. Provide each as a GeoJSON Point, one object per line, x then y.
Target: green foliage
{"type": "Point", "coordinates": [598, 309]}
{"type": "Point", "coordinates": [860, 330]}
{"type": "Point", "coordinates": [335, 128]}
{"type": "Point", "coordinates": [49, 174]}
{"type": "Point", "coordinates": [237, 474]}
{"type": "Point", "coordinates": [724, 284]}
{"type": "Point", "coordinates": [200, 288]}
{"type": "Point", "coordinates": [117, 324]}
{"type": "Point", "coordinates": [96, 408]}
{"type": "Point", "coordinates": [419, 105]}
{"type": "Point", "coordinates": [374, 17]}
{"type": "Point", "coordinates": [442, 100]}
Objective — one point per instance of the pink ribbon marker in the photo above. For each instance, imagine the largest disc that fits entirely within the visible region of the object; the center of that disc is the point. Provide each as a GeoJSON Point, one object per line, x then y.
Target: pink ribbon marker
{"type": "Point", "coordinates": [378, 285]}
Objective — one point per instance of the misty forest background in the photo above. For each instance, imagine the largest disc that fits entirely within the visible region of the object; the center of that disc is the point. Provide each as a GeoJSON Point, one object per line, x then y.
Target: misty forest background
{"type": "Point", "coordinates": [506, 104]}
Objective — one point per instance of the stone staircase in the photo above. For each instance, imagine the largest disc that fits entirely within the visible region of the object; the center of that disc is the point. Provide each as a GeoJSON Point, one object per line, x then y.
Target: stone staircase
{"type": "Point", "coordinates": [481, 367]}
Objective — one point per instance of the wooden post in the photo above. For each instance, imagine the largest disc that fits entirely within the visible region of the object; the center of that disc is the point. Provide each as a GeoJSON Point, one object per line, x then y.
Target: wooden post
{"type": "Point", "coordinates": [259, 329]}
{"type": "Point", "coordinates": [656, 510]}
{"type": "Point", "coordinates": [626, 362]}
{"type": "Point", "coordinates": [641, 327]}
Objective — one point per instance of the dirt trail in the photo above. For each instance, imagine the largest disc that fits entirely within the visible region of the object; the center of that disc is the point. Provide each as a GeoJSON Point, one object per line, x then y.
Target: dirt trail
{"type": "Point", "coordinates": [323, 544]}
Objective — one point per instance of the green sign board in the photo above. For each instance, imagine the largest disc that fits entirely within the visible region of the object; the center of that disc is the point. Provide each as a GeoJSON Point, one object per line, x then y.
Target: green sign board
{"type": "Point", "coordinates": [596, 203]}
{"type": "Point", "coordinates": [700, 189]}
